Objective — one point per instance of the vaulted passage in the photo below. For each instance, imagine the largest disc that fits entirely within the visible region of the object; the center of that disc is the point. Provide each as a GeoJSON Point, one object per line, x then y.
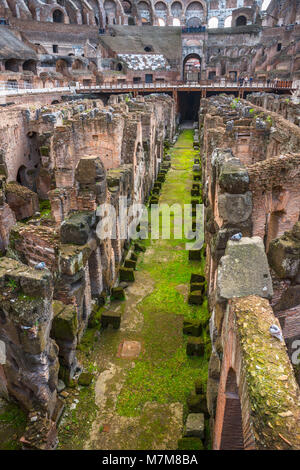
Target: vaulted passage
{"type": "Point", "coordinates": [189, 103]}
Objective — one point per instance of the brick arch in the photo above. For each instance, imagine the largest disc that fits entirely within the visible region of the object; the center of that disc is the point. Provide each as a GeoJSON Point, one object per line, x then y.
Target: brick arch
{"type": "Point", "coordinates": [202, 3]}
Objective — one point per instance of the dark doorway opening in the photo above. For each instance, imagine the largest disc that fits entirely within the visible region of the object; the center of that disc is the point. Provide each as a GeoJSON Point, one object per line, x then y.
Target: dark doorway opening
{"type": "Point", "coordinates": [188, 105]}
{"type": "Point", "coordinates": [241, 21]}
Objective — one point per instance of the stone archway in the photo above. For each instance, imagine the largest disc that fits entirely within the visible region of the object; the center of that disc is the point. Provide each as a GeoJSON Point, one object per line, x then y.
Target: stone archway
{"type": "Point", "coordinates": [58, 16]}
{"type": "Point", "coordinates": [192, 67]}
{"type": "Point", "coordinates": [241, 21]}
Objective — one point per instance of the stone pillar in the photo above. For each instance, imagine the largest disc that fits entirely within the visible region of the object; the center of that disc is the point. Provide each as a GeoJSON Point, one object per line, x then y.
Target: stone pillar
{"type": "Point", "coordinates": [31, 362]}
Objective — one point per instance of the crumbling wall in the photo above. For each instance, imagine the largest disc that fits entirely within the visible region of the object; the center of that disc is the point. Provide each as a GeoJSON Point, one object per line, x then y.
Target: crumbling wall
{"type": "Point", "coordinates": [242, 195]}
{"type": "Point", "coordinates": [89, 156]}
{"type": "Point", "coordinates": [283, 105]}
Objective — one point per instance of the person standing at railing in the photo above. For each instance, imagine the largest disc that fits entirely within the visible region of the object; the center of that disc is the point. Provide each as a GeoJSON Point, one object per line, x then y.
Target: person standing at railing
{"type": "Point", "coordinates": [251, 81]}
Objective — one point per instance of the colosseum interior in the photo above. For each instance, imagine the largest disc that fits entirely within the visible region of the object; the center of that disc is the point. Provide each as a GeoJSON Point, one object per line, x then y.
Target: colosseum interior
{"type": "Point", "coordinates": [115, 333]}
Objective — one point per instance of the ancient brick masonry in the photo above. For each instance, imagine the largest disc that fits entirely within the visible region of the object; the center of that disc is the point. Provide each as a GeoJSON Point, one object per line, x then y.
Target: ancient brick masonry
{"type": "Point", "coordinates": [88, 154]}
{"type": "Point", "coordinates": [285, 105]}
{"type": "Point", "coordinates": [251, 377]}
{"type": "Point", "coordinates": [31, 367]}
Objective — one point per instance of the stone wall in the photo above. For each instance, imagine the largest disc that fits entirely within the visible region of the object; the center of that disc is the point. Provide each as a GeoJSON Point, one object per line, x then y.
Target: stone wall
{"type": "Point", "coordinates": [88, 155]}
{"type": "Point", "coordinates": [283, 105]}
{"type": "Point", "coordinates": [245, 198]}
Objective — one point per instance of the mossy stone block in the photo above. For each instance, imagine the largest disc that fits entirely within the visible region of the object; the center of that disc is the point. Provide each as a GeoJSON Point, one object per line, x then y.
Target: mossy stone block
{"type": "Point", "coordinates": [85, 379]}
{"type": "Point", "coordinates": [95, 317]}
{"type": "Point", "coordinates": [197, 286]}
{"type": "Point", "coordinates": [190, 443]}
{"type": "Point", "coordinates": [196, 297]}
{"type": "Point", "coordinates": [195, 255]}
{"type": "Point", "coordinates": [195, 192]}
{"type": "Point", "coordinates": [111, 318]}
{"type": "Point", "coordinates": [195, 346]}
{"type": "Point", "coordinates": [118, 293]}
{"type": "Point", "coordinates": [44, 151]}
{"type": "Point", "coordinates": [192, 328]}
{"type": "Point", "coordinates": [138, 247]}
{"type": "Point", "coordinates": [133, 257]}
{"type": "Point", "coordinates": [130, 263]}
{"type": "Point", "coordinates": [161, 178]}
{"type": "Point", "coordinates": [197, 278]}
{"type": "Point", "coordinates": [126, 274]}
{"type": "Point", "coordinates": [197, 404]}
{"type": "Point", "coordinates": [65, 324]}
{"type": "Point", "coordinates": [199, 386]}
{"type": "Point", "coordinates": [154, 200]}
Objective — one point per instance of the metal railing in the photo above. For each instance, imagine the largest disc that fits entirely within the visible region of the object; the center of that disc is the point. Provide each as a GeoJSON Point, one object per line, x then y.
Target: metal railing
{"type": "Point", "coordinates": [14, 88]}
{"type": "Point", "coordinates": [214, 84]}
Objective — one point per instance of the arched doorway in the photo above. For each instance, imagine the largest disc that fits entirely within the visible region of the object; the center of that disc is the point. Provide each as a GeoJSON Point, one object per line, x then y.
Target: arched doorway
{"type": "Point", "coordinates": [194, 15]}
{"type": "Point", "coordinates": [111, 11]}
{"type": "Point", "coordinates": [62, 67]}
{"type": "Point", "coordinates": [144, 12]}
{"type": "Point", "coordinates": [192, 68]}
{"type": "Point", "coordinates": [241, 21]}
{"type": "Point", "coordinates": [12, 65]}
{"type": "Point", "coordinates": [232, 431]}
{"type": "Point", "coordinates": [30, 65]}
{"type": "Point", "coordinates": [127, 7]}
{"type": "Point", "coordinates": [58, 16]}
{"type": "Point", "coordinates": [193, 22]}
{"type": "Point", "coordinates": [21, 176]}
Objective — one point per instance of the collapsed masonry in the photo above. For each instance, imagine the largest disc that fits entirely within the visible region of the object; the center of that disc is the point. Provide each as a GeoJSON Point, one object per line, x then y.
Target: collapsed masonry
{"type": "Point", "coordinates": [58, 164]}
{"type": "Point", "coordinates": [251, 182]}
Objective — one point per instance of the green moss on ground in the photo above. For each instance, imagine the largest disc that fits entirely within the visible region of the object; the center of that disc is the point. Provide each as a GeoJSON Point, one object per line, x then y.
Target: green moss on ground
{"type": "Point", "coordinates": [12, 426]}
{"type": "Point", "coordinates": [164, 373]}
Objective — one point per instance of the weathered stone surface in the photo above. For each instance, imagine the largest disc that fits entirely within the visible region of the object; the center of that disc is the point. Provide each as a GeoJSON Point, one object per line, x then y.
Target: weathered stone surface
{"type": "Point", "coordinates": [234, 178]}
{"type": "Point", "coordinates": [197, 404]}
{"type": "Point", "coordinates": [118, 293]}
{"type": "Point", "coordinates": [77, 228]}
{"type": "Point", "coordinates": [26, 316]}
{"type": "Point", "coordinates": [126, 274]}
{"type": "Point", "coordinates": [195, 346]}
{"type": "Point", "coordinates": [85, 379]}
{"type": "Point", "coordinates": [214, 368]}
{"type": "Point", "coordinates": [235, 208]}
{"type": "Point", "coordinates": [194, 426]}
{"type": "Point", "coordinates": [111, 318]}
{"type": "Point", "coordinates": [21, 200]}
{"type": "Point", "coordinates": [244, 270]}
{"type": "Point", "coordinates": [192, 327]}
{"type": "Point", "coordinates": [196, 297]}
{"type": "Point", "coordinates": [284, 255]}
